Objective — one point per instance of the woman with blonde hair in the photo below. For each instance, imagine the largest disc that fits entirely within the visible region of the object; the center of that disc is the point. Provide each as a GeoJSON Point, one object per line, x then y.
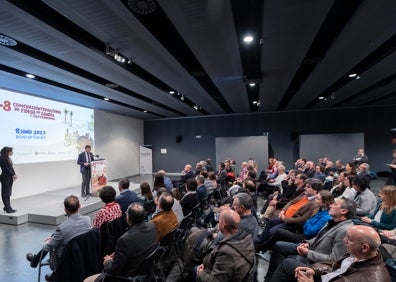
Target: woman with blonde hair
{"type": "Point", "coordinates": [384, 216]}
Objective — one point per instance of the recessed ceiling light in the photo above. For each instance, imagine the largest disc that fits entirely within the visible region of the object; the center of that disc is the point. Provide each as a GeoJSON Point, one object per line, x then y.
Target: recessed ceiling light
{"type": "Point", "coordinates": [171, 92]}
{"type": "Point", "coordinates": [248, 38]}
{"type": "Point", "coordinates": [352, 75]}
{"type": "Point", "coordinates": [252, 84]}
{"type": "Point", "coordinates": [254, 102]}
{"type": "Point", "coordinates": [106, 99]}
{"type": "Point", "coordinates": [321, 98]}
{"type": "Point", "coordinates": [28, 75]}
{"type": "Point", "coordinates": [144, 111]}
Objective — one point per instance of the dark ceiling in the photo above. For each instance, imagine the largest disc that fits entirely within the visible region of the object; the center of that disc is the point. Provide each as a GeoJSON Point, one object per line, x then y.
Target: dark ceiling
{"type": "Point", "coordinates": [301, 57]}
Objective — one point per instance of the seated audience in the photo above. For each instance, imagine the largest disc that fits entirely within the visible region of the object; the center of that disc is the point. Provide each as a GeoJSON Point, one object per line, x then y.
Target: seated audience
{"type": "Point", "coordinates": [365, 199]}
{"type": "Point", "coordinates": [190, 199]}
{"type": "Point", "coordinates": [74, 225]}
{"type": "Point", "coordinates": [319, 173]}
{"type": "Point", "coordinates": [186, 173]}
{"type": "Point", "coordinates": [233, 257]}
{"type": "Point", "coordinates": [201, 189]}
{"type": "Point", "coordinates": [349, 191]}
{"type": "Point", "coordinates": [126, 196]}
{"type": "Point", "coordinates": [132, 247]}
{"type": "Point", "coordinates": [177, 208]}
{"type": "Point", "coordinates": [221, 174]}
{"type": "Point", "coordinates": [326, 246]}
{"type": "Point", "coordinates": [243, 204]}
{"type": "Point", "coordinates": [350, 168]}
{"type": "Point", "coordinates": [165, 220]}
{"type": "Point", "coordinates": [338, 189]}
{"type": "Point", "coordinates": [111, 210]}
{"type": "Point", "coordinates": [384, 216]}
{"type": "Point", "coordinates": [363, 171]}
{"type": "Point", "coordinates": [362, 262]}
{"type": "Point", "coordinates": [168, 183]}
{"type": "Point", "coordinates": [145, 191]}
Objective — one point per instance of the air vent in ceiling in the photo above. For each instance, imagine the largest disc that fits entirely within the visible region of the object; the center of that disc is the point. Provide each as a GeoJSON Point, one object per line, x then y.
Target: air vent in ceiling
{"type": "Point", "coordinates": [143, 7]}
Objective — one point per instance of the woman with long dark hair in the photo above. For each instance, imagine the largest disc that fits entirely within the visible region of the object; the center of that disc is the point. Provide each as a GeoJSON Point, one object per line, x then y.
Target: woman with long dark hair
{"type": "Point", "coordinates": [7, 178]}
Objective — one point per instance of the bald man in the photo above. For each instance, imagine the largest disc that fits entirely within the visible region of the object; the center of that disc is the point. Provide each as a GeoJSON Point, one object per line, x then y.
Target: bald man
{"type": "Point", "coordinates": [362, 262]}
{"type": "Point", "coordinates": [233, 257]}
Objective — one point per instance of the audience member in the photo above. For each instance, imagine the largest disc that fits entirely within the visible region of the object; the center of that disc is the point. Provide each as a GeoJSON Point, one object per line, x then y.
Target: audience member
{"type": "Point", "coordinates": [186, 174]}
{"type": "Point", "coordinates": [360, 158]}
{"type": "Point", "coordinates": [243, 204]}
{"type": "Point", "coordinates": [233, 257]}
{"type": "Point", "coordinates": [190, 199]}
{"type": "Point", "coordinates": [111, 210]}
{"type": "Point", "coordinates": [74, 225]}
{"type": "Point", "coordinates": [168, 183]}
{"type": "Point", "coordinates": [392, 175]}
{"type": "Point", "coordinates": [365, 199]}
{"type": "Point", "coordinates": [126, 196]}
{"type": "Point", "coordinates": [349, 191]}
{"type": "Point", "coordinates": [145, 191]}
{"type": "Point", "coordinates": [384, 216]}
{"type": "Point", "coordinates": [350, 168]}
{"type": "Point", "coordinates": [201, 189]}
{"type": "Point", "coordinates": [362, 262]}
{"type": "Point", "coordinates": [131, 250]}
{"type": "Point", "coordinates": [177, 208]}
{"type": "Point", "coordinates": [165, 220]}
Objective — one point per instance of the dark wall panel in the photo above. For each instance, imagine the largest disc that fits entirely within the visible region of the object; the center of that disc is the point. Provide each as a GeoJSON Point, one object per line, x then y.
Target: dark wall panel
{"type": "Point", "coordinates": [283, 129]}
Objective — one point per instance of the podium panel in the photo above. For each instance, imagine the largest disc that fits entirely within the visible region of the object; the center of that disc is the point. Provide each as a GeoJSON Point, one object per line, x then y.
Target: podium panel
{"type": "Point", "coordinates": [98, 176]}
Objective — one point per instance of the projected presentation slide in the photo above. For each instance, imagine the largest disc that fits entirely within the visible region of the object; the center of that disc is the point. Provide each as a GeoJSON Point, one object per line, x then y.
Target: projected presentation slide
{"type": "Point", "coordinates": [42, 130]}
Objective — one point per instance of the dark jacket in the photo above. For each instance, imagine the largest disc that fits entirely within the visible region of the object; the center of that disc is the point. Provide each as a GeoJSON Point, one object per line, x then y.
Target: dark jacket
{"type": "Point", "coordinates": [369, 270]}
{"type": "Point", "coordinates": [81, 258]}
{"type": "Point", "coordinates": [230, 261]}
{"type": "Point", "coordinates": [189, 201]}
{"type": "Point", "coordinates": [131, 250]}
{"type": "Point", "coordinates": [125, 198]}
{"type": "Point", "coordinates": [6, 177]}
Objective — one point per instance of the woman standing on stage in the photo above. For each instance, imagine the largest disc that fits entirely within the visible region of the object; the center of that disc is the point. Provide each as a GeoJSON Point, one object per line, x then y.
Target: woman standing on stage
{"type": "Point", "coordinates": [7, 178]}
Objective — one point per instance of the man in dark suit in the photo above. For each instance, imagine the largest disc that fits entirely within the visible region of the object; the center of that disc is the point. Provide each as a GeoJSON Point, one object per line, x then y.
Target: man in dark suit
{"type": "Point", "coordinates": [126, 196]}
{"type": "Point", "coordinates": [131, 248]}
{"type": "Point", "coordinates": [84, 160]}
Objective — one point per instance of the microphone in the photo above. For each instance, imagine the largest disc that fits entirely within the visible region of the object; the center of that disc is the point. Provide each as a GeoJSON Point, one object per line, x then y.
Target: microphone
{"type": "Point", "coordinates": [97, 156]}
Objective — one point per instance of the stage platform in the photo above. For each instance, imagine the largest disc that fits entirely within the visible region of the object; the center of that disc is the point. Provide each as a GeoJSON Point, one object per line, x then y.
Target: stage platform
{"type": "Point", "coordinates": [47, 208]}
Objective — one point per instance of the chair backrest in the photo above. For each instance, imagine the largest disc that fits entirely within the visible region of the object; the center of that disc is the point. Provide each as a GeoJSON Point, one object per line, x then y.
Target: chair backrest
{"type": "Point", "coordinates": [149, 207]}
{"type": "Point", "coordinates": [145, 269]}
{"type": "Point", "coordinates": [81, 257]}
{"type": "Point", "coordinates": [168, 239]}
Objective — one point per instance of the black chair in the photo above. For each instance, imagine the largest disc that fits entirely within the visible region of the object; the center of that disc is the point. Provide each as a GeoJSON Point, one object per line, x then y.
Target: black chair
{"type": "Point", "coordinates": [149, 207]}
{"type": "Point", "coordinates": [165, 250]}
{"type": "Point", "coordinates": [41, 264]}
{"type": "Point", "coordinates": [82, 257]}
{"type": "Point", "coordinates": [145, 271]}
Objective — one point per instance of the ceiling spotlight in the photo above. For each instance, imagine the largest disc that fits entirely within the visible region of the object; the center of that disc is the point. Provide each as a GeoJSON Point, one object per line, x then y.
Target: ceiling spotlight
{"type": "Point", "coordinates": [258, 104]}
{"type": "Point", "coordinates": [352, 75]}
{"type": "Point", "coordinates": [106, 99]}
{"type": "Point", "coordinates": [129, 62]}
{"type": "Point", "coordinates": [172, 92]}
{"type": "Point", "coordinates": [182, 98]}
{"type": "Point", "coordinates": [196, 107]}
{"type": "Point", "coordinates": [144, 111]}
{"type": "Point", "coordinates": [254, 102]}
{"type": "Point", "coordinates": [7, 41]}
{"type": "Point", "coordinates": [252, 84]}
{"type": "Point", "coordinates": [357, 77]}
{"type": "Point", "coordinates": [28, 75]}
{"type": "Point", "coordinates": [248, 38]}
{"type": "Point", "coordinates": [321, 98]}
